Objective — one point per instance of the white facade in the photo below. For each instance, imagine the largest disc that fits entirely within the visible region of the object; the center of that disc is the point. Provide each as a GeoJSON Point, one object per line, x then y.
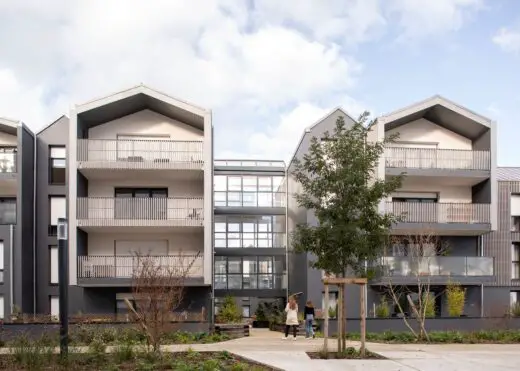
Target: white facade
{"type": "Point", "coordinates": [125, 157]}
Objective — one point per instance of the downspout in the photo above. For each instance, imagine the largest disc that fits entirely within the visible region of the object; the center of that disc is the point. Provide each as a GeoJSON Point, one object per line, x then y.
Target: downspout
{"type": "Point", "coordinates": [34, 224]}
{"type": "Point", "coordinates": [11, 269]}
{"type": "Point", "coordinates": [287, 234]}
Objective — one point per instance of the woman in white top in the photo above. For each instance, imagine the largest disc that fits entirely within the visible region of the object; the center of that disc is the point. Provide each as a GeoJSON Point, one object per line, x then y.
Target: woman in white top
{"type": "Point", "coordinates": [292, 318]}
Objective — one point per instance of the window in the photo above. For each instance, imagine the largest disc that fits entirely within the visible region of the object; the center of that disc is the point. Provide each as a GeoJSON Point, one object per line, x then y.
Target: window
{"type": "Point", "coordinates": [515, 224]}
{"type": "Point", "coordinates": [514, 297]}
{"type": "Point", "coordinates": [7, 210]}
{"type": "Point", "coordinates": [1, 261]}
{"type": "Point", "coordinates": [515, 261]}
{"type": "Point", "coordinates": [250, 232]}
{"type": "Point", "coordinates": [58, 209]}
{"type": "Point", "coordinates": [53, 262]}
{"type": "Point", "coordinates": [57, 165]}
{"type": "Point", "coordinates": [333, 300]}
{"type": "Point", "coordinates": [249, 191]}
{"type": "Point", "coordinates": [54, 305]}
{"type": "Point", "coordinates": [251, 272]}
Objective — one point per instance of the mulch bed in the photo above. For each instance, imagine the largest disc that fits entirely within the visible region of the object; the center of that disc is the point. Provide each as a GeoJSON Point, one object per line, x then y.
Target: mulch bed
{"type": "Point", "coordinates": [170, 361]}
{"type": "Point", "coordinates": [350, 353]}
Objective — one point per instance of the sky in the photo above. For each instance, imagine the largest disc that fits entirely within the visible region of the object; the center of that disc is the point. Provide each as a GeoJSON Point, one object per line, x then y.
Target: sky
{"type": "Point", "coordinates": [267, 68]}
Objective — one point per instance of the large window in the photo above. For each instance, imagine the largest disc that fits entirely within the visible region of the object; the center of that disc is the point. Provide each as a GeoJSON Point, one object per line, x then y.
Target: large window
{"type": "Point", "coordinates": [251, 272]}
{"type": "Point", "coordinates": [53, 263]}
{"type": "Point", "coordinates": [249, 191]}
{"type": "Point", "coordinates": [250, 231]}
{"type": "Point", "coordinates": [57, 165]}
{"type": "Point", "coordinates": [515, 261]}
{"type": "Point", "coordinates": [58, 209]}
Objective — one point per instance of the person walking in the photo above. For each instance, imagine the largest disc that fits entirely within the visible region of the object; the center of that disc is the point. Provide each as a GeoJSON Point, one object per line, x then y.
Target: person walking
{"type": "Point", "coordinates": [292, 318]}
{"type": "Point", "coordinates": [309, 319]}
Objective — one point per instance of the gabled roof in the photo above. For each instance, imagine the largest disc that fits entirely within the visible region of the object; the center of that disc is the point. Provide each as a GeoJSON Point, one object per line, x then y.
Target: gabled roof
{"type": "Point", "coordinates": [52, 123]}
{"type": "Point", "coordinates": [9, 126]}
{"type": "Point", "coordinates": [136, 99]}
{"type": "Point", "coordinates": [341, 111]}
{"type": "Point", "coordinates": [511, 174]}
{"type": "Point", "coordinates": [442, 112]}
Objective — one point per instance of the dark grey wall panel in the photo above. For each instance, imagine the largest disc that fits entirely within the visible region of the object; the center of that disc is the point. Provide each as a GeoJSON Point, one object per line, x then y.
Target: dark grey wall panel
{"type": "Point", "coordinates": [481, 193]}
{"type": "Point", "coordinates": [498, 243]}
{"type": "Point", "coordinates": [7, 237]}
{"type": "Point", "coordinates": [23, 251]}
{"type": "Point", "coordinates": [56, 134]}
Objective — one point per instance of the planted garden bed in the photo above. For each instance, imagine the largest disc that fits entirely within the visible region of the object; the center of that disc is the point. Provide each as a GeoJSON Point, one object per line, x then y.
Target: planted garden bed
{"type": "Point", "coordinates": [349, 353]}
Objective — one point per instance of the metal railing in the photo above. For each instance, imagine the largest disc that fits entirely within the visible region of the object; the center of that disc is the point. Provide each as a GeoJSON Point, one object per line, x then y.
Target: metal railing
{"type": "Point", "coordinates": [128, 211]}
{"type": "Point", "coordinates": [126, 266]}
{"type": "Point", "coordinates": [7, 213]}
{"type": "Point", "coordinates": [429, 158]}
{"type": "Point", "coordinates": [246, 281]}
{"type": "Point", "coordinates": [249, 163]}
{"type": "Point", "coordinates": [139, 154]}
{"type": "Point", "coordinates": [8, 159]}
{"type": "Point", "coordinates": [250, 199]}
{"type": "Point", "coordinates": [464, 266]}
{"type": "Point", "coordinates": [421, 212]}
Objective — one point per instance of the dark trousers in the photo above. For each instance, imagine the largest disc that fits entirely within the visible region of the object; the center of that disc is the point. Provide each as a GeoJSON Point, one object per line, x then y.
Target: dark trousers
{"type": "Point", "coordinates": [294, 327]}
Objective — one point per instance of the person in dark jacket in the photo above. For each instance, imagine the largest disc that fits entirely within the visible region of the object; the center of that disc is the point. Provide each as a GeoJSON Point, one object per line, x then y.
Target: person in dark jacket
{"type": "Point", "coordinates": [309, 319]}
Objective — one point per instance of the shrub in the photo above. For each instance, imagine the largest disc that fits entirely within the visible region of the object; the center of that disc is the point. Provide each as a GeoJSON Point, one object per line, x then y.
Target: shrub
{"type": "Point", "coordinates": [260, 312]}
{"type": "Point", "coordinates": [382, 310]}
{"type": "Point", "coordinates": [229, 312]}
{"type": "Point", "coordinates": [332, 312]}
{"type": "Point", "coordinates": [429, 304]}
{"type": "Point", "coordinates": [31, 355]}
{"type": "Point", "coordinates": [455, 296]}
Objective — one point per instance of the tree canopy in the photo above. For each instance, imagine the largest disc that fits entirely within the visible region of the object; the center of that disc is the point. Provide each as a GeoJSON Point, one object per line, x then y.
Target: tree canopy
{"type": "Point", "coordinates": [340, 185]}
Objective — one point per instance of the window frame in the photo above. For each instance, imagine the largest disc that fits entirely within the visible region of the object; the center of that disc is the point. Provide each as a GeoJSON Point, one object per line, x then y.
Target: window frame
{"type": "Point", "coordinates": [52, 167]}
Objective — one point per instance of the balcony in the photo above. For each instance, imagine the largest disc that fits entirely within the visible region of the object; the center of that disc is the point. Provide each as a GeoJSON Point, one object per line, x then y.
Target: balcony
{"type": "Point", "coordinates": [249, 199]}
{"type": "Point", "coordinates": [444, 217]}
{"type": "Point", "coordinates": [98, 270]}
{"type": "Point", "coordinates": [429, 158]}
{"type": "Point", "coordinates": [140, 154]}
{"type": "Point", "coordinates": [130, 212]}
{"type": "Point", "coordinates": [437, 269]}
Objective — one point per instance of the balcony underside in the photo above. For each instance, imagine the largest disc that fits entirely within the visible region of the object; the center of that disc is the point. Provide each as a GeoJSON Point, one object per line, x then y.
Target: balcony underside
{"type": "Point", "coordinates": [138, 227]}
{"type": "Point", "coordinates": [431, 280]}
{"type": "Point", "coordinates": [444, 229]}
{"type": "Point", "coordinates": [127, 282]}
{"type": "Point", "coordinates": [159, 174]}
{"type": "Point", "coordinates": [442, 177]}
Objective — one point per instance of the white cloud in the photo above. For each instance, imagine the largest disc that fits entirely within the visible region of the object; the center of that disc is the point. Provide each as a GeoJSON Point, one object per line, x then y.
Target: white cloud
{"type": "Point", "coordinates": [421, 19]}
{"type": "Point", "coordinates": [508, 40]}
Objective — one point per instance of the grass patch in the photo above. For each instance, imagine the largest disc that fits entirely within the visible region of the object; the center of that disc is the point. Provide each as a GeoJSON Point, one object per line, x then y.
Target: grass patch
{"type": "Point", "coordinates": [95, 360]}
{"type": "Point", "coordinates": [349, 353]}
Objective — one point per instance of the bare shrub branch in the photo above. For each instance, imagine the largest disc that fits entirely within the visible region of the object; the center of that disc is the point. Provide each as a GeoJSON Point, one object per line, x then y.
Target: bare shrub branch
{"type": "Point", "coordinates": [158, 290]}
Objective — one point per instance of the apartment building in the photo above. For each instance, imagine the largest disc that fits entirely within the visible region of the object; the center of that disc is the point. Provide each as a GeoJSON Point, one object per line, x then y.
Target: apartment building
{"type": "Point", "coordinates": [133, 172]}
{"type": "Point", "coordinates": [250, 237]}
{"type": "Point", "coordinates": [450, 191]}
{"type": "Point", "coordinates": [16, 217]}
{"type": "Point", "coordinates": [139, 182]}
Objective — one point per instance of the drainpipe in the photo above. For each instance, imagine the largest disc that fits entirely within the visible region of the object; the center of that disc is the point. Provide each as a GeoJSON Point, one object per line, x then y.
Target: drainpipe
{"type": "Point", "coordinates": [11, 269]}
{"type": "Point", "coordinates": [287, 234]}
{"type": "Point", "coordinates": [34, 224]}
{"type": "Point", "coordinates": [482, 300]}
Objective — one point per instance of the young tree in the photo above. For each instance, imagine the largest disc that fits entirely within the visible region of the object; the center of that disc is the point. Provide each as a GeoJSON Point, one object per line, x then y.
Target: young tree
{"type": "Point", "coordinates": [340, 185]}
{"type": "Point", "coordinates": [158, 290]}
{"type": "Point", "coordinates": [416, 257]}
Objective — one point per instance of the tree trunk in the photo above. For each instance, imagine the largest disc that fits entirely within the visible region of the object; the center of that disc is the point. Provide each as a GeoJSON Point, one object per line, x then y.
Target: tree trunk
{"type": "Point", "coordinates": [326, 321]}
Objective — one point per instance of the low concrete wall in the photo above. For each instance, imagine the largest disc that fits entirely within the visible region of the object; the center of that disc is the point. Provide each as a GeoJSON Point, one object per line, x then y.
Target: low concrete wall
{"type": "Point", "coordinates": [464, 324]}
{"type": "Point", "coordinates": [9, 331]}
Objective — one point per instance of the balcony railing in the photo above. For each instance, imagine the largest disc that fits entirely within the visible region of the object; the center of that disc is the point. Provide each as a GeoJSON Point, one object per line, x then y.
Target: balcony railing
{"type": "Point", "coordinates": [126, 266]}
{"type": "Point", "coordinates": [429, 158]}
{"type": "Point", "coordinates": [8, 157]}
{"type": "Point", "coordinates": [8, 213]}
{"type": "Point", "coordinates": [250, 199]}
{"type": "Point", "coordinates": [139, 154]}
{"type": "Point", "coordinates": [420, 212]}
{"type": "Point", "coordinates": [135, 212]}
{"type": "Point", "coordinates": [464, 266]}
{"type": "Point", "coordinates": [249, 163]}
